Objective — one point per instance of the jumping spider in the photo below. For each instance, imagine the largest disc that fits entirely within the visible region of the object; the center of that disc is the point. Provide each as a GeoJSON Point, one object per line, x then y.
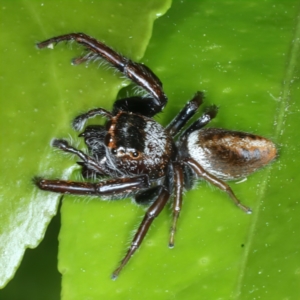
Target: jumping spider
{"type": "Point", "coordinates": [142, 159]}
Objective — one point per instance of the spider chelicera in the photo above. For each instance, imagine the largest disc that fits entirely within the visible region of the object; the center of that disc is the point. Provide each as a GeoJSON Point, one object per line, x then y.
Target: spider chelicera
{"type": "Point", "coordinates": [136, 157]}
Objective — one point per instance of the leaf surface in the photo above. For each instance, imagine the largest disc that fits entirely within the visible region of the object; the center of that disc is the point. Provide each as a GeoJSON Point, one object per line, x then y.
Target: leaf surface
{"type": "Point", "coordinates": [245, 56]}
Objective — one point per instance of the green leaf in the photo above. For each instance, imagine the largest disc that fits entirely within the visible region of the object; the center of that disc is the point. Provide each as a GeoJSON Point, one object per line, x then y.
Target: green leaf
{"type": "Point", "coordinates": [245, 56]}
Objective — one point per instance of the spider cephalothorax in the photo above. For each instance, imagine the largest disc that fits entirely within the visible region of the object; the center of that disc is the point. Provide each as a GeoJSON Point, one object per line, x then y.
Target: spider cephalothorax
{"type": "Point", "coordinates": [146, 161]}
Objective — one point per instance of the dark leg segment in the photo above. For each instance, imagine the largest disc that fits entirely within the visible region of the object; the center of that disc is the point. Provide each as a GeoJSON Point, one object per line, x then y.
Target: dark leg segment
{"type": "Point", "coordinates": [147, 197]}
{"type": "Point", "coordinates": [112, 187]}
{"type": "Point", "coordinates": [177, 202]}
{"type": "Point", "coordinates": [136, 104]}
{"type": "Point", "coordinates": [185, 114]}
{"type": "Point", "coordinates": [138, 73]}
{"type": "Point", "coordinates": [208, 115]}
{"type": "Point", "coordinates": [218, 183]}
{"type": "Point", "coordinates": [89, 162]}
{"type": "Point", "coordinates": [152, 212]}
{"type": "Point", "coordinates": [80, 120]}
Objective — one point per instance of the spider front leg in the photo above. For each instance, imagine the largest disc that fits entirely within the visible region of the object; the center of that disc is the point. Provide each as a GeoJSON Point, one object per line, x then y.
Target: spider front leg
{"type": "Point", "coordinates": [88, 161]}
{"type": "Point", "coordinates": [136, 72]}
{"type": "Point", "coordinates": [112, 188]}
{"type": "Point", "coordinates": [152, 212]}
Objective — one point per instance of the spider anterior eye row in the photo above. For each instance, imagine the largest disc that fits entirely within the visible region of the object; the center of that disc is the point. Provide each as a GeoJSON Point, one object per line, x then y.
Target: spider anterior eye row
{"type": "Point", "coordinates": [133, 153]}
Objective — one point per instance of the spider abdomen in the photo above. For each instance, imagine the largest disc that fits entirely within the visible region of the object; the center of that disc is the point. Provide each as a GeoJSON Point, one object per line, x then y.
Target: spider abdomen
{"type": "Point", "coordinates": [229, 154]}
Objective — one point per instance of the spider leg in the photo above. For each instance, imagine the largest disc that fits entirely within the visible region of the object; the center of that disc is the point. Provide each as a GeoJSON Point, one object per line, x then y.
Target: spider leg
{"type": "Point", "coordinates": [80, 120]}
{"type": "Point", "coordinates": [112, 187]}
{"type": "Point", "coordinates": [88, 161]}
{"type": "Point", "coordinates": [147, 197]}
{"type": "Point", "coordinates": [86, 172]}
{"type": "Point", "coordinates": [152, 212]}
{"type": "Point", "coordinates": [136, 104]}
{"type": "Point", "coordinates": [208, 115]}
{"type": "Point", "coordinates": [136, 72]}
{"type": "Point", "coordinates": [185, 114]}
{"type": "Point", "coordinates": [217, 182]}
{"type": "Point", "coordinates": [177, 201]}
{"type": "Point", "coordinates": [94, 136]}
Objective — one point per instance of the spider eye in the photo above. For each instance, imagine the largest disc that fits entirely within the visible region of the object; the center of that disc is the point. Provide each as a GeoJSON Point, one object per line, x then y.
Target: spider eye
{"type": "Point", "coordinates": [135, 154]}
{"type": "Point", "coordinates": [114, 151]}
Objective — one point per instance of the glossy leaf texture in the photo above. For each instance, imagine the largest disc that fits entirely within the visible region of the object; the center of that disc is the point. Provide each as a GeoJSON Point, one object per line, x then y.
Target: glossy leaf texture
{"type": "Point", "coordinates": [40, 94]}
{"type": "Point", "coordinates": [245, 56]}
